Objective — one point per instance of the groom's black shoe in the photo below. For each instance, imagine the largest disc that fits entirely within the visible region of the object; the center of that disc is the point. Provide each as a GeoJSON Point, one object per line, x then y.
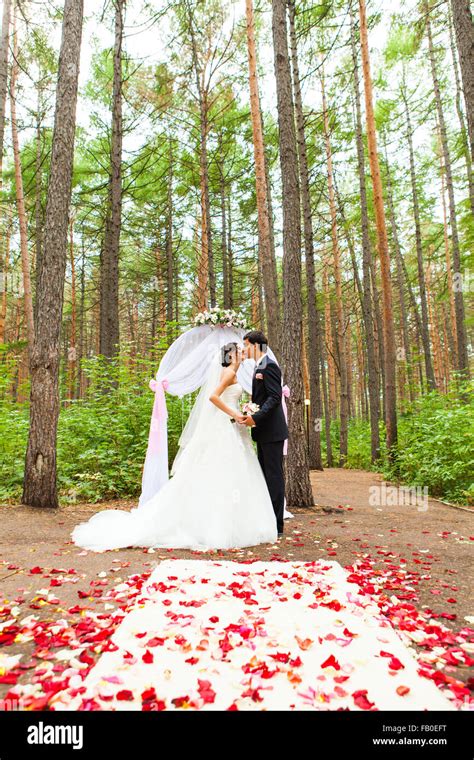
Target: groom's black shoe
{"type": "Point", "coordinates": [280, 535]}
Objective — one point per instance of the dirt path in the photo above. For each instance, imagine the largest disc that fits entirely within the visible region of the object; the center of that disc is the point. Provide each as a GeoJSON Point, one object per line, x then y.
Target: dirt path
{"type": "Point", "coordinates": [434, 542]}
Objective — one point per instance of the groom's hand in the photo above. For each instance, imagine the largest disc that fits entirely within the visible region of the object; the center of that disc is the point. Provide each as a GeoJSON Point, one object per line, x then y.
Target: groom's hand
{"type": "Point", "coordinates": [249, 421]}
{"type": "Point", "coordinates": [240, 418]}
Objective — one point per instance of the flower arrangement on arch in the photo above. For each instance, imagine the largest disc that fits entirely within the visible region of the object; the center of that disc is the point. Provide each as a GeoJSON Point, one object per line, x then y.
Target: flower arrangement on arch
{"type": "Point", "coordinates": [218, 316]}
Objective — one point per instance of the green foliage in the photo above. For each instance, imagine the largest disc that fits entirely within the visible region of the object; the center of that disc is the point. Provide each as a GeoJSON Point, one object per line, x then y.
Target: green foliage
{"type": "Point", "coordinates": [436, 445]}
{"type": "Point", "coordinates": [102, 439]}
{"type": "Point", "coordinates": [358, 450]}
{"type": "Point", "coordinates": [13, 438]}
{"type": "Point", "coordinates": [402, 43]}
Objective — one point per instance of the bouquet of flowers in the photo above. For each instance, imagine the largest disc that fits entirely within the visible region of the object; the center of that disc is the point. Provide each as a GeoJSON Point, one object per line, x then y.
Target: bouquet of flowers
{"type": "Point", "coordinates": [248, 409]}
{"type": "Point", "coordinates": [218, 316]}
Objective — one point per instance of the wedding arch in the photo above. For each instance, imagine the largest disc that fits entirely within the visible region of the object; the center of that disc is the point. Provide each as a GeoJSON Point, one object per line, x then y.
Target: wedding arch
{"type": "Point", "coordinates": [182, 370]}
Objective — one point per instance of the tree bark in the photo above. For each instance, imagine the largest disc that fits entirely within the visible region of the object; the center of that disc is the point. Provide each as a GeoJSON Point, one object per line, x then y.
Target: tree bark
{"type": "Point", "coordinates": [230, 252]}
{"type": "Point", "coordinates": [225, 263]}
{"type": "Point", "coordinates": [4, 275]}
{"type": "Point", "coordinates": [449, 268]}
{"type": "Point", "coordinates": [169, 247]}
{"type": "Point", "coordinates": [459, 110]}
{"type": "Point", "coordinates": [38, 195]}
{"type": "Point", "coordinates": [4, 257]}
{"type": "Point", "coordinates": [382, 245]}
{"type": "Point", "coordinates": [462, 356]}
{"type": "Point", "coordinates": [109, 277]}
{"type": "Point", "coordinates": [203, 97]}
{"type": "Point", "coordinates": [340, 326]}
{"type": "Point", "coordinates": [329, 347]}
{"type": "Point", "coordinates": [72, 349]}
{"type": "Point", "coordinates": [464, 29]}
{"type": "Point", "coordinates": [4, 41]}
{"type": "Point", "coordinates": [20, 202]}
{"type": "Point", "coordinates": [425, 336]}
{"type": "Point", "coordinates": [434, 329]}
{"type": "Point", "coordinates": [400, 285]}
{"type": "Point", "coordinates": [270, 284]}
{"type": "Point", "coordinates": [367, 306]}
{"type": "Point", "coordinates": [314, 319]}
{"type": "Point", "coordinates": [201, 254]}
{"type": "Point", "coordinates": [82, 326]}
{"type": "Point", "coordinates": [298, 483]}
{"type": "Point", "coordinates": [40, 470]}
{"type": "Point", "coordinates": [327, 410]}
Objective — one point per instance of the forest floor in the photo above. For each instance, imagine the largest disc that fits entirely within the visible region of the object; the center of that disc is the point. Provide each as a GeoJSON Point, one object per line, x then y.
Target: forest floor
{"type": "Point", "coordinates": [43, 574]}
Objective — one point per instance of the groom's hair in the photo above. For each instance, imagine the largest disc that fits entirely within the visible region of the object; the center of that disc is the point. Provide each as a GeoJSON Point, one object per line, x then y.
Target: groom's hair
{"type": "Point", "coordinates": [257, 337]}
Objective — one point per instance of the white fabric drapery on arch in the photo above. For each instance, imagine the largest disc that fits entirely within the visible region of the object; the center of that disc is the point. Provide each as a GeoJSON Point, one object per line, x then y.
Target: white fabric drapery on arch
{"type": "Point", "coordinates": [183, 369]}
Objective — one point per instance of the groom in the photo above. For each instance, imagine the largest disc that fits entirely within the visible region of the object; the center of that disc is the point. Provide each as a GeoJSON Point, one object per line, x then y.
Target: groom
{"type": "Point", "coordinates": [269, 428]}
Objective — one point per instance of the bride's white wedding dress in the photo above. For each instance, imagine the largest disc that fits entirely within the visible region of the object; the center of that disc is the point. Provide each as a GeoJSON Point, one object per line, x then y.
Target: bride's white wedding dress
{"type": "Point", "coordinates": [216, 499]}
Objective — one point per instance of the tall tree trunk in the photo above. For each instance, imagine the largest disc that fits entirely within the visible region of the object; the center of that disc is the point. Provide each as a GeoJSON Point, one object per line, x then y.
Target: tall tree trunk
{"type": "Point", "coordinates": [270, 284]}
{"type": "Point", "coordinates": [4, 42]}
{"type": "Point", "coordinates": [260, 320]}
{"type": "Point", "coordinates": [39, 488]}
{"type": "Point", "coordinates": [4, 281]}
{"type": "Point", "coordinates": [225, 262]}
{"type": "Point", "coordinates": [367, 310]}
{"type": "Point", "coordinates": [425, 336]}
{"type": "Point", "coordinates": [20, 202]}
{"type": "Point", "coordinates": [462, 356]}
{"type": "Point", "coordinates": [448, 341]}
{"type": "Point", "coordinates": [169, 246]}
{"type": "Point", "coordinates": [447, 254]}
{"type": "Point", "coordinates": [329, 347]}
{"type": "Point", "coordinates": [414, 306]}
{"type": "Point", "coordinates": [378, 333]}
{"type": "Point", "coordinates": [161, 287]}
{"type": "Point", "coordinates": [203, 97]}
{"type": "Point", "coordinates": [230, 252]}
{"type": "Point", "coordinates": [270, 220]}
{"type": "Point", "coordinates": [400, 285]}
{"type": "Point", "coordinates": [459, 110]}
{"type": "Point", "coordinates": [314, 319]}
{"type": "Point", "coordinates": [38, 195]}
{"type": "Point", "coordinates": [201, 255]}
{"type": "Point", "coordinates": [72, 351]}
{"type": "Point", "coordinates": [298, 484]}
{"type": "Point", "coordinates": [82, 326]}
{"type": "Point", "coordinates": [361, 372]}
{"type": "Point", "coordinates": [357, 289]}
{"type": "Point", "coordinates": [176, 294]}
{"type": "Point", "coordinates": [207, 242]}
{"type": "Point", "coordinates": [109, 276]}
{"type": "Point", "coordinates": [434, 328]}
{"type": "Point", "coordinates": [464, 28]}
{"type": "Point", "coordinates": [341, 327]}
{"type": "Point", "coordinates": [382, 245]}
{"type": "Point", "coordinates": [349, 369]}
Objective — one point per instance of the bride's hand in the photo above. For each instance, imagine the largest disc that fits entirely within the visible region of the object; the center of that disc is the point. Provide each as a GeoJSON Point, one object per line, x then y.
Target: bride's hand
{"type": "Point", "coordinates": [240, 418]}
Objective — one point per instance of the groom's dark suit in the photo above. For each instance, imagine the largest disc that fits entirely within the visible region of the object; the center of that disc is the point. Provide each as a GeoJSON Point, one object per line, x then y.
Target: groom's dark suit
{"type": "Point", "coordinates": [270, 431]}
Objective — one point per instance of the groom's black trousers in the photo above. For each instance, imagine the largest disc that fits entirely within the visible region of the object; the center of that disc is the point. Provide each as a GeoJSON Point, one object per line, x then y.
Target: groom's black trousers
{"type": "Point", "coordinates": [270, 456]}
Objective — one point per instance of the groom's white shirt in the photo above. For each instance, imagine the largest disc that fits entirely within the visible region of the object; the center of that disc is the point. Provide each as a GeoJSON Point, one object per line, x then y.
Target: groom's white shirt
{"type": "Point", "coordinates": [259, 360]}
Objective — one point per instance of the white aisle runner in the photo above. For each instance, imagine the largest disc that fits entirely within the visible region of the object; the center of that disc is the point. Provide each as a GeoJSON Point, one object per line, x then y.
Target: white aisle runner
{"type": "Point", "coordinates": [266, 635]}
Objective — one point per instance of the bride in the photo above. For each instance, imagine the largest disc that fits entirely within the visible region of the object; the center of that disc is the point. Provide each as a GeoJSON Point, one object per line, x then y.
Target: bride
{"type": "Point", "coordinates": [217, 497]}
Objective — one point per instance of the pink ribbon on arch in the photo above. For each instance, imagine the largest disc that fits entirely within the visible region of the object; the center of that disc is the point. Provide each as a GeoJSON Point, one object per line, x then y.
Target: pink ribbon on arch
{"type": "Point", "coordinates": [285, 393]}
{"type": "Point", "coordinates": [160, 413]}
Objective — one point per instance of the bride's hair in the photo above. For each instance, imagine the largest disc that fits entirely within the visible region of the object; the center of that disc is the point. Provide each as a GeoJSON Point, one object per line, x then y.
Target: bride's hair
{"type": "Point", "coordinates": [228, 353]}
